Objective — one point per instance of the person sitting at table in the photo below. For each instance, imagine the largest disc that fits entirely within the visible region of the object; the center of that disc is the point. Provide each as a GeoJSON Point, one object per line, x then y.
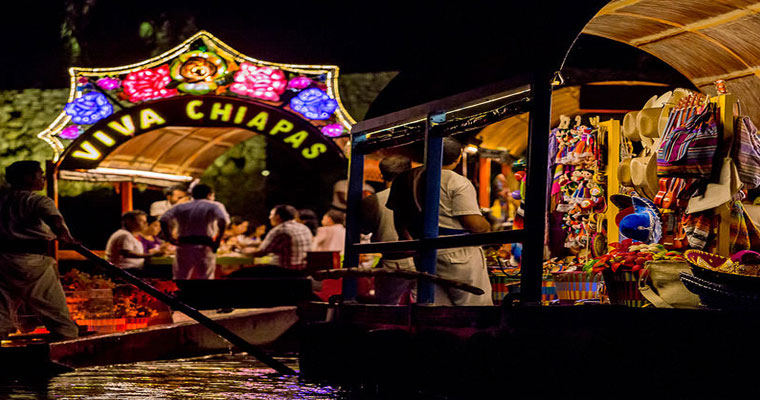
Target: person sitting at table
{"type": "Point", "coordinates": [331, 236]}
{"type": "Point", "coordinates": [124, 249]}
{"type": "Point", "coordinates": [259, 233]}
{"type": "Point", "coordinates": [235, 238]}
{"type": "Point", "coordinates": [150, 237]}
{"type": "Point", "coordinates": [200, 227]}
{"type": "Point", "coordinates": [308, 218]}
{"type": "Point", "coordinates": [288, 241]}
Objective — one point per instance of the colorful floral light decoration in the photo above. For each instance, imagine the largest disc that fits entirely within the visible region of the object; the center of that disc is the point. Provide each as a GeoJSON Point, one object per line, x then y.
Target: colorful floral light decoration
{"type": "Point", "coordinates": [264, 83]}
{"type": "Point", "coordinates": [109, 83]}
{"type": "Point", "coordinates": [148, 84]}
{"type": "Point", "coordinates": [314, 104]}
{"type": "Point", "coordinates": [300, 82]}
{"type": "Point", "coordinates": [332, 130]}
{"type": "Point", "coordinates": [89, 109]}
{"type": "Point", "coordinates": [70, 132]}
{"type": "Point", "coordinates": [198, 71]}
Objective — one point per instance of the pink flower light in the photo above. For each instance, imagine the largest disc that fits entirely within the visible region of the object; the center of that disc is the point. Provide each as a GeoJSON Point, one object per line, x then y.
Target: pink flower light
{"type": "Point", "coordinates": [148, 84]}
{"type": "Point", "coordinates": [332, 130]}
{"type": "Point", "coordinates": [264, 83]}
{"type": "Point", "coordinates": [109, 83]}
{"type": "Point", "coordinates": [70, 132]}
{"type": "Point", "coordinates": [300, 82]}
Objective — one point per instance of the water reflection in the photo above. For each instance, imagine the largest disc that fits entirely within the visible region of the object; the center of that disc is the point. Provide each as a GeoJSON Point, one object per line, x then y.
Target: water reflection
{"type": "Point", "coordinates": [216, 377]}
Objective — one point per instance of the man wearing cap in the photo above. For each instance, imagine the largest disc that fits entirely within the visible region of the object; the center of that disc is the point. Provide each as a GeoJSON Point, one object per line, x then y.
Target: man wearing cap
{"type": "Point", "coordinates": [200, 227]}
{"type": "Point", "coordinates": [458, 213]}
{"type": "Point", "coordinates": [28, 223]}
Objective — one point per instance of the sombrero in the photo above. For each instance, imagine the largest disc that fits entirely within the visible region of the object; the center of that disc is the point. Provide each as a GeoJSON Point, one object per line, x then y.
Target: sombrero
{"type": "Point", "coordinates": [739, 264]}
{"type": "Point", "coordinates": [735, 272]}
{"type": "Point", "coordinates": [644, 224]}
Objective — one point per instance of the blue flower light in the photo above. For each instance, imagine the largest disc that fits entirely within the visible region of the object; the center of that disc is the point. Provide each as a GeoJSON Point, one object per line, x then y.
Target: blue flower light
{"type": "Point", "coordinates": [89, 109]}
{"type": "Point", "coordinates": [314, 104]}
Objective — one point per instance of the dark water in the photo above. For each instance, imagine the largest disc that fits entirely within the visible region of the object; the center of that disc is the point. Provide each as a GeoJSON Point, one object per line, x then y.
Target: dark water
{"type": "Point", "coordinates": [215, 377]}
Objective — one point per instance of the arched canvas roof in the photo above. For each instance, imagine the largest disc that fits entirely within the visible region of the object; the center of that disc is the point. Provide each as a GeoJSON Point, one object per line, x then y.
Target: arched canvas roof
{"type": "Point", "coordinates": [705, 40]}
{"type": "Point", "coordinates": [174, 114]}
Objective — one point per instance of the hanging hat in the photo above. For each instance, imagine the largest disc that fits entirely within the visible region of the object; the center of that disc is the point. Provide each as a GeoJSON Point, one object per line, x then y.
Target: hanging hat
{"type": "Point", "coordinates": [644, 171]}
{"type": "Point", "coordinates": [645, 224]}
{"type": "Point", "coordinates": [624, 172]}
{"type": "Point", "coordinates": [653, 117]}
{"type": "Point", "coordinates": [630, 128]}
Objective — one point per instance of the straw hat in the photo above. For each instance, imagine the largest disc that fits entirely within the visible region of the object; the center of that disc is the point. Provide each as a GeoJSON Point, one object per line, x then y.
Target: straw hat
{"type": "Point", "coordinates": [630, 128]}
{"type": "Point", "coordinates": [644, 170]}
{"type": "Point", "coordinates": [653, 116]}
{"type": "Point", "coordinates": [624, 172]}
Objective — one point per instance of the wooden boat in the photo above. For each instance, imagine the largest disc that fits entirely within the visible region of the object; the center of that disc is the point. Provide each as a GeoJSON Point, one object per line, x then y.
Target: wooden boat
{"type": "Point", "coordinates": [186, 338]}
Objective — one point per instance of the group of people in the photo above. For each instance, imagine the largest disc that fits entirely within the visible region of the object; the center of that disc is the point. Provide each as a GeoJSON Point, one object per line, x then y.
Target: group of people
{"type": "Point", "coordinates": [194, 229]}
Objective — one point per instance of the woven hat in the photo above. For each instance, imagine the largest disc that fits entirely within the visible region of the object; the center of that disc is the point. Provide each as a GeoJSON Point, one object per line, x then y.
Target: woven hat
{"type": "Point", "coordinates": [644, 170]}
{"type": "Point", "coordinates": [624, 172]}
{"type": "Point", "coordinates": [630, 128]}
{"type": "Point", "coordinates": [644, 224]}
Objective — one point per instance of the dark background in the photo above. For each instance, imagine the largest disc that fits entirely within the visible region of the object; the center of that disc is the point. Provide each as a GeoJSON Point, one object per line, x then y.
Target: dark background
{"type": "Point", "coordinates": [439, 50]}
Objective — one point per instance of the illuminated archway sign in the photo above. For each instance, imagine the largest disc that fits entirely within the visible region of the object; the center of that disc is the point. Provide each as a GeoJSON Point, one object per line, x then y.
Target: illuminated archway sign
{"type": "Point", "coordinates": [294, 133]}
{"type": "Point", "coordinates": [202, 82]}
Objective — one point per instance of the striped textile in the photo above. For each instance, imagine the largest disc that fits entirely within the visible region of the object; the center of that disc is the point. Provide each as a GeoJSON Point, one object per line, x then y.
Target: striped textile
{"type": "Point", "coordinates": [688, 149]}
{"type": "Point", "coordinates": [746, 152]}
{"type": "Point", "coordinates": [575, 285]}
{"type": "Point", "coordinates": [623, 288]}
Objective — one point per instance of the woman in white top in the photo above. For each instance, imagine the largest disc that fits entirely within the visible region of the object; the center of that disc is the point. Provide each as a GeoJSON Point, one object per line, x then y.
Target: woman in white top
{"type": "Point", "coordinates": [331, 236]}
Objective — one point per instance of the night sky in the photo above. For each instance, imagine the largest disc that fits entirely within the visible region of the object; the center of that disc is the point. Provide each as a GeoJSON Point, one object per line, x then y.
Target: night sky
{"type": "Point", "coordinates": [440, 49]}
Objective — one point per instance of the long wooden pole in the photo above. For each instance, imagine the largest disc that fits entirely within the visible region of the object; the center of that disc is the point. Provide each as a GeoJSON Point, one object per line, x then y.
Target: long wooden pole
{"type": "Point", "coordinates": [189, 311]}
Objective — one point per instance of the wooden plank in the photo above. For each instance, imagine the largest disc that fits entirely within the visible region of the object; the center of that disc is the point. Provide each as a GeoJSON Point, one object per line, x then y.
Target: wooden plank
{"type": "Point", "coordinates": [613, 183]}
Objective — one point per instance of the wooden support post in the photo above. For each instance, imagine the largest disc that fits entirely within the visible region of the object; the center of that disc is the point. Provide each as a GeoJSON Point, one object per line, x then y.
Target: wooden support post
{"type": "Point", "coordinates": [484, 189]}
{"type": "Point", "coordinates": [612, 128]}
{"type": "Point", "coordinates": [353, 204]}
{"type": "Point", "coordinates": [430, 209]}
{"type": "Point", "coordinates": [725, 104]}
{"type": "Point", "coordinates": [536, 191]}
{"type": "Point", "coordinates": [125, 188]}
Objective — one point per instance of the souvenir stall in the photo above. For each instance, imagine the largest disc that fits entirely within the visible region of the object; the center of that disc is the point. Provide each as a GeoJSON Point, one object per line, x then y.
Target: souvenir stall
{"type": "Point", "coordinates": [679, 175]}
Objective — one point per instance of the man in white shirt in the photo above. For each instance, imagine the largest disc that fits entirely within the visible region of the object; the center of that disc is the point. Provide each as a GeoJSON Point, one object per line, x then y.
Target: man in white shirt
{"type": "Point", "coordinates": [174, 195]}
{"type": "Point", "coordinates": [124, 250]}
{"type": "Point", "coordinates": [28, 223]}
{"type": "Point", "coordinates": [200, 227]}
{"type": "Point", "coordinates": [458, 213]}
